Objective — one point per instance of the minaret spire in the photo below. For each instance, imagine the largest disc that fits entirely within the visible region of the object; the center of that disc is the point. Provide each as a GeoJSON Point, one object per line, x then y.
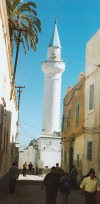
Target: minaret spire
{"type": "Point", "coordinates": [55, 41]}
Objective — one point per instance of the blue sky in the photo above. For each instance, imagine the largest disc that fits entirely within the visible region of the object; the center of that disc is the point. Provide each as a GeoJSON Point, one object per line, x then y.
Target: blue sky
{"type": "Point", "coordinates": [77, 22]}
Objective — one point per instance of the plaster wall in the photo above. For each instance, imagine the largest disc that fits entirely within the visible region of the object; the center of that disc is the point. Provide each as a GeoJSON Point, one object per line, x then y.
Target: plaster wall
{"type": "Point", "coordinates": [28, 155]}
{"type": "Point", "coordinates": [92, 53]}
{"type": "Point", "coordinates": [8, 115]}
{"type": "Point", "coordinates": [92, 117]}
{"type": "Point", "coordinates": [49, 151]}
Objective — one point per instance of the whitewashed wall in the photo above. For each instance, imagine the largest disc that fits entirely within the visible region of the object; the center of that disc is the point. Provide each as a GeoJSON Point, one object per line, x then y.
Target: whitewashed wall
{"type": "Point", "coordinates": [28, 155]}
{"type": "Point", "coordinates": [10, 115]}
{"type": "Point", "coordinates": [49, 151]}
{"type": "Point", "coordinates": [92, 118]}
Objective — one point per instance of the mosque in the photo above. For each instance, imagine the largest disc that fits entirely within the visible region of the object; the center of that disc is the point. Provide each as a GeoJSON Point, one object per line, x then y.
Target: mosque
{"type": "Point", "coordinates": [47, 149]}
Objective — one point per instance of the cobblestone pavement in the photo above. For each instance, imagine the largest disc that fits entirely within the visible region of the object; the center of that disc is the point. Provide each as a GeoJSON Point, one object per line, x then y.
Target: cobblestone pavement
{"type": "Point", "coordinates": [29, 192]}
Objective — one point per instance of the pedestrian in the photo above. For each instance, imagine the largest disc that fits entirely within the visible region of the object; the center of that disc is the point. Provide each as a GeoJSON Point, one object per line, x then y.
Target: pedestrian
{"type": "Point", "coordinates": [91, 169]}
{"type": "Point", "coordinates": [30, 167]}
{"type": "Point", "coordinates": [73, 177]}
{"type": "Point", "coordinates": [90, 185]}
{"type": "Point", "coordinates": [59, 170]}
{"type": "Point", "coordinates": [37, 171]}
{"type": "Point", "coordinates": [98, 190]}
{"type": "Point", "coordinates": [51, 183]}
{"type": "Point", "coordinates": [13, 176]}
{"type": "Point", "coordinates": [24, 169]}
{"type": "Point", "coordinates": [64, 187]}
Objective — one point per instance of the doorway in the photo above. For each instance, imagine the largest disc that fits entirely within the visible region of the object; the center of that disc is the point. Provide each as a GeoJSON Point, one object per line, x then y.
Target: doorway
{"type": "Point", "coordinates": [71, 152]}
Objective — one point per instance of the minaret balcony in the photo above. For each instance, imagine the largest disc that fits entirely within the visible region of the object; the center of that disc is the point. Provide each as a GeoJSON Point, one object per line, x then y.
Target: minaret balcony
{"type": "Point", "coordinates": [53, 66]}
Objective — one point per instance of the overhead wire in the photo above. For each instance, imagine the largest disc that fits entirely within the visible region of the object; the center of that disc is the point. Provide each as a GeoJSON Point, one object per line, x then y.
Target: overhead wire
{"type": "Point", "coordinates": [82, 59]}
{"type": "Point", "coordinates": [26, 132]}
{"type": "Point", "coordinates": [30, 125]}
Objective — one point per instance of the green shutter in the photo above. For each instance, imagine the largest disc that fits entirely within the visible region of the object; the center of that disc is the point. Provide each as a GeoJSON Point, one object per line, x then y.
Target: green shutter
{"type": "Point", "coordinates": [89, 151]}
{"type": "Point", "coordinates": [91, 97]}
{"type": "Point", "coordinates": [63, 123]}
{"type": "Point", "coordinates": [78, 160]}
{"type": "Point", "coordinates": [77, 115]}
{"type": "Point", "coordinates": [68, 118]}
{"type": "Point", "coordinates": [64, 156]}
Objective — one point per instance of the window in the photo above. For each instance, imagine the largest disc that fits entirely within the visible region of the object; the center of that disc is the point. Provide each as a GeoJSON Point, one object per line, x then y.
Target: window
{"type": "Point", "coordinates": [63, 123]}
{"type": "Point", "coordinates": [38, 155]}
{"type": "Point", "coordinates": [78, 160]}
{"type": "Point", "coordinates": [77, 115]}
{"type": "Point", "coordinates": [68, 118]}
{"type": "Point", "coordinates": [89, 150]}
{"type": "Point", "coordinates": [64, 156]}
{"type": "Point", "coordinates": [46, 167]}
{"type": "Point", "coordinates": [62, 152]}
{"type": "Point", "coordinates": [91, 97]}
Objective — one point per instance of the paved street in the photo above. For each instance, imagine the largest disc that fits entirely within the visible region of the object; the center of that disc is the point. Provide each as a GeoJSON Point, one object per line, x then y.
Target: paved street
{"type": "Point", "coordinates": [29, 191]}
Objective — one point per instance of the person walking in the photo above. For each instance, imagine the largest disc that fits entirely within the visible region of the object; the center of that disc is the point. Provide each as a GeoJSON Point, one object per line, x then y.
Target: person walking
{"type": "Point", "coordinates": [98, 190]}
{"type": "Point", "coordinates": [59, 170]}
{"type": "Point", "coordinates": [30, 167]}
{"type": "Point", "coordinates": [64, 187]}
{"type": "Point", "coordinates": [13, 176]}
{"type": "Point", "coordinates": [51, 183]}
{"type": "Point", "coordinates": [24, 169]}
{"type": "Point", "coordinates": [90, 185]}
{"type": "Point", "coordinates": [73, 177]}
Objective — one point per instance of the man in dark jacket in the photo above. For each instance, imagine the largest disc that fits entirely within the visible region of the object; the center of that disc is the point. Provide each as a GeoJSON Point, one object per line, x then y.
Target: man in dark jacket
{"type": "Point", "coordinates": [65, 187]}
{"type": "Point", "coordinates": [13, 176]}
{"type": "Point", "coordinates": [51, 182]}
{"type": "Point", "coordinates": [73, 176]}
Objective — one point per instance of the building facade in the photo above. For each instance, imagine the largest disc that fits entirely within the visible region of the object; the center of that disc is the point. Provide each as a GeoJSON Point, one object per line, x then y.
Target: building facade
{"type": "Point", "coordinates": [8, 104]}
{"type": "Point", "coordinates": [72, 124]}
{"type": "Point", "coordinates": [92, 105]}
{"type": "Point", "coordinates": [81, 119]}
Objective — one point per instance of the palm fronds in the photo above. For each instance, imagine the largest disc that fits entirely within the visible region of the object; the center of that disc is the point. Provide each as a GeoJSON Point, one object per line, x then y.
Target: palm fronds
{"type": "Point", "coordinates": [23, 18]}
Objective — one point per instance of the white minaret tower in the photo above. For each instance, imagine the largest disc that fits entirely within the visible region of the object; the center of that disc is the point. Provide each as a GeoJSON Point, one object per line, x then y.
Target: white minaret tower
{"type": "Point", "coordinates": [49, 143]}
{"type": "Point", "coordinates": [53, 69]}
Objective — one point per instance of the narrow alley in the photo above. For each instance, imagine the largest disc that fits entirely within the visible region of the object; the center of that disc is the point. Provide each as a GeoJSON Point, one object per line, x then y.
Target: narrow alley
{"type": "Point", "coordinates": [30, 191]}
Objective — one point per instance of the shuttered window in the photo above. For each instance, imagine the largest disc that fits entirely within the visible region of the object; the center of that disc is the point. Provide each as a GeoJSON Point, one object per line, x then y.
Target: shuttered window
{"type": "Point", "coordinates": [91, 97]}
{"type": "Point", "coordinates": [78, 160]}
{"type": "Point", "coordinates": [62, 152]}
{"type": "Point", "coordinates": [89, 150]}
{"type": "Point", "coordinates": [68, 118]}
{"type": "Point", "coordinates": [63, 123]}
{"type": "Point", "coordinates": [64, 156]}
{"type": "Point", "coordinates": [77, 115]}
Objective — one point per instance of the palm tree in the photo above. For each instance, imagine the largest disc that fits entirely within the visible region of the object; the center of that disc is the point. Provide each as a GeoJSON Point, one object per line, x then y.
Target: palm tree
{"type": "Point", "coordinates": [24, 26]}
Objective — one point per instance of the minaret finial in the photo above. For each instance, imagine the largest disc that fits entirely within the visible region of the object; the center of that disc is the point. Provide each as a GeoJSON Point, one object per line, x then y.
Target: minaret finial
{"type": "Point", "coordinates": [55, 42]}
{"type": "Point", "coordinates": [55, 20]}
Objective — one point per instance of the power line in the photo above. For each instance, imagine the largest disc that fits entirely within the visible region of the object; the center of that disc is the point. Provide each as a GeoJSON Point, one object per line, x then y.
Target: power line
{"type": "Point", "coordinates": [30, 125]}
{"type": "Point", "coordinates": [82, 59]}
{"type": "Point", "coordinates": [26, 132]}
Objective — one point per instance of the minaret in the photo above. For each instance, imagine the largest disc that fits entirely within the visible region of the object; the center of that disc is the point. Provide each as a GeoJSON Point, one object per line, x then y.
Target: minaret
{"type": "Point", "coordinates": [53, 68]}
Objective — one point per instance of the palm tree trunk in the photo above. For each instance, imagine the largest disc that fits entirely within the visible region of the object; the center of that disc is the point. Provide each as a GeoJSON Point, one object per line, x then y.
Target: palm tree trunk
{"type": "Point", "coordinates": [17, 52]}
